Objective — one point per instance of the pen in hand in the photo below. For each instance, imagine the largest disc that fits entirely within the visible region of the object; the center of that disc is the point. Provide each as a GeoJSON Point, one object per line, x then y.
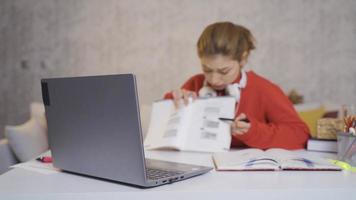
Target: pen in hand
{"type": "Point", "coordinates": [231, 120]}
{"type": "Point", "coordinates": [238, 128]}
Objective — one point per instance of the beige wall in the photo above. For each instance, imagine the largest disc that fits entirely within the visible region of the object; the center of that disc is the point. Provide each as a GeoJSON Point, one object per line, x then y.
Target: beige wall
{"type": "Point", "coordinates": [306, 45]}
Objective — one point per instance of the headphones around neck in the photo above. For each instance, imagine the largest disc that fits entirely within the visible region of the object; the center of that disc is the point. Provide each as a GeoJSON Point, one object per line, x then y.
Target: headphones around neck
{"type": "Point", "coordinates": [231, 89]}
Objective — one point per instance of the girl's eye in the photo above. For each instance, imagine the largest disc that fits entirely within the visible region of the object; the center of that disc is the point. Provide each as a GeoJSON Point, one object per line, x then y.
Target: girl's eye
{"type": "Point", "coordinates": [224, 72]}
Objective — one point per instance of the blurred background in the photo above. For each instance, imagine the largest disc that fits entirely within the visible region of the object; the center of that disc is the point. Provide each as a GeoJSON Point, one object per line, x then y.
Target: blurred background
{"type": "Point", "coordinates": [306, 45]}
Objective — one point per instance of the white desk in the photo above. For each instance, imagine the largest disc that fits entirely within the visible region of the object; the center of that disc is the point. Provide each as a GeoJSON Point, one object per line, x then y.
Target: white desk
{"type": "Point", "coordinates": [23, 184]}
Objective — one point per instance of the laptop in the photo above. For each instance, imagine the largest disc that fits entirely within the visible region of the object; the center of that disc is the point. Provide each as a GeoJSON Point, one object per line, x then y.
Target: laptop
{"type": "Point", "coordinates": [94, 129]}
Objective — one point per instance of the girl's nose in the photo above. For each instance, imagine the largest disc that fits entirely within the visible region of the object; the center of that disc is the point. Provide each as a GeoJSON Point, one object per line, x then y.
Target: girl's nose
{"type": "Point", "coordinates": [216, 80]}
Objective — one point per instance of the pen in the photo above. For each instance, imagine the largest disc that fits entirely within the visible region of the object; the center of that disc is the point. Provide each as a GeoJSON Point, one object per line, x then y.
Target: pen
{"type": "Point", "coordinates": [45, 159]}
{"type": "Point", "coordinates": [229, 119]}
{"type": "Point", "coordinates": [308, 162]}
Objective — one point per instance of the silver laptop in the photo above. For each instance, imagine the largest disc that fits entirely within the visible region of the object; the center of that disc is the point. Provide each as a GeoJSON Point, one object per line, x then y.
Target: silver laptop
{"type": "Point", "coordinates": [95, 129]}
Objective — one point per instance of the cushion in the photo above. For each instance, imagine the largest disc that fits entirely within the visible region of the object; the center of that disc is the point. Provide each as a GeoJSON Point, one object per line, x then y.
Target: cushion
{"type": "Point", "coordinates": [29, 139]}
{"type": "Point", "coordinates": [310, 117]}
{"type": "Point", "coordinates": [38, 112]}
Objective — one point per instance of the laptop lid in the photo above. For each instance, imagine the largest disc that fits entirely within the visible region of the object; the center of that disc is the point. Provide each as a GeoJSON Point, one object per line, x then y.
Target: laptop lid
{"type": "Point", "coordinates": [94, 126]}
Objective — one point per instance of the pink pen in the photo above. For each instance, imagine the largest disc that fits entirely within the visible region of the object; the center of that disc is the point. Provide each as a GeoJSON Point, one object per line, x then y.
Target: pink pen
{"type": "Point", "coordinates": [45, 159]}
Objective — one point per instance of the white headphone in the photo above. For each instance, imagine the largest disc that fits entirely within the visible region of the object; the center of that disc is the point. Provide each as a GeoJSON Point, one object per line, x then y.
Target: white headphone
{"type": "Point", "coordinates": [232, 89]}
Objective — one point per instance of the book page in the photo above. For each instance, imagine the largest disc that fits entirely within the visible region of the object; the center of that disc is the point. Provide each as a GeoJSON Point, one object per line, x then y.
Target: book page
{"type": "Point", "coordinates": [205, 132]}
{"type": "Point", "coordinates": [246, 159]}
{"type": "Point", "coordinates": [219, 106]}
{"type": "Point", "coordinates": [165, 125]}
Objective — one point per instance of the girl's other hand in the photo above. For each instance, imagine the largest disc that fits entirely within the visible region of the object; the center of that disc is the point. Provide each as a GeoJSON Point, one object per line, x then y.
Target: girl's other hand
{"type": "Point", "coordinates": [182, 96]}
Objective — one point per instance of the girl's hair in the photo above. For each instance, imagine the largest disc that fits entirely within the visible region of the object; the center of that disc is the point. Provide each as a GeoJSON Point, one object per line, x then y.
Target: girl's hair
{"type": "Point", "coordinates": [227, 39]}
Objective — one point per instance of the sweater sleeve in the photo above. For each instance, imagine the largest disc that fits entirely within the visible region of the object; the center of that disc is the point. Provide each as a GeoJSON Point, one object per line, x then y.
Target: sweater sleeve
{"type": "Point", "coordinates": [282, 129]}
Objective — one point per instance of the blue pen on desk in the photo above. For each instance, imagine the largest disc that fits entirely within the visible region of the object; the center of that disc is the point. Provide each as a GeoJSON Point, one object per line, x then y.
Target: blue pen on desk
{"type": "Point", "coordinates": [308, 162]}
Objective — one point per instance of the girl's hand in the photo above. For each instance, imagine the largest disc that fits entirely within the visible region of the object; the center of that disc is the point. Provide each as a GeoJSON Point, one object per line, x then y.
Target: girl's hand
{"type": "Point", "coordinates": [183, 96]}
{"type": "Point", "coordinates": [240, 126]}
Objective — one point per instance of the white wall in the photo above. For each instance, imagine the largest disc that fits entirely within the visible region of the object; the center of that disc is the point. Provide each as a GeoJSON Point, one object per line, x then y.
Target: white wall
{"type": "Point", "coordinates": [306, 45]}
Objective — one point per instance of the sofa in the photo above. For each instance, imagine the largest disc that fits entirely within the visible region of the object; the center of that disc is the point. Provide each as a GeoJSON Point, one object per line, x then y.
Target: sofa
{"type": "Point", "coordinates": [26, 141]}
{"type": "Point", "coordinates": [7, 157]}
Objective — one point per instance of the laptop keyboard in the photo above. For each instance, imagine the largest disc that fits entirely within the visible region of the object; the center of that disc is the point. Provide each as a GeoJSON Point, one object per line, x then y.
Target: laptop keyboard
{"type": "Point", "coordinates": [160, 173]}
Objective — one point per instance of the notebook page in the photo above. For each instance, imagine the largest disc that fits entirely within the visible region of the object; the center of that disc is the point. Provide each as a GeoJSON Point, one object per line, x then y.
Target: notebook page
{"type": "Point", "coordinates": [300, 160]}
{"type": "Point", "coordinates": [247, 159]}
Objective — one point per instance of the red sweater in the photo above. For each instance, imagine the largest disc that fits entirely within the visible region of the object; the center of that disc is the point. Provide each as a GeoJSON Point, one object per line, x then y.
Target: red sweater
{"type": "Point", "coordinates": [274, 121]}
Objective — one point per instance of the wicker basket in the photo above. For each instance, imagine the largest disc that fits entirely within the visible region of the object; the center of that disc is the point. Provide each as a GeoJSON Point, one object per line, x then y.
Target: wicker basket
{"type": "Point", "coordinates": [328, 127]}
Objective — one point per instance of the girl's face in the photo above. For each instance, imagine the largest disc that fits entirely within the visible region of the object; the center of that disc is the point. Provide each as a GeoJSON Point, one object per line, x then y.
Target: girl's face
{"type": "Point", "coordinates": [220, 70]}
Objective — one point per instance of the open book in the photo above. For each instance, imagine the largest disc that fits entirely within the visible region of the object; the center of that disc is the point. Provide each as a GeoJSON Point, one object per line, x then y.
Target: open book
{"type": "Point", "coordinates": [272, 159]}
{"type": "Point", "coordinates": [195, 127]}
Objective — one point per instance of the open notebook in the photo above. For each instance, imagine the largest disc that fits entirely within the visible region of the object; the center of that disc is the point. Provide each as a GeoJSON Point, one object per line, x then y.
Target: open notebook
{"type": "Point", "coordinates": [270, 160]}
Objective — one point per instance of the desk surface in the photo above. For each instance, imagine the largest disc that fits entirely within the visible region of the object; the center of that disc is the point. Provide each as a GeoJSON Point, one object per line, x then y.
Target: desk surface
{"type": "Point", "coordinates": [24, 184]}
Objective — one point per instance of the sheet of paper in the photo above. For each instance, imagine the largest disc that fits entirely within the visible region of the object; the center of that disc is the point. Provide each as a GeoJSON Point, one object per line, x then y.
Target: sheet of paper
{"type": "Point", "coordinates": [38, 167]}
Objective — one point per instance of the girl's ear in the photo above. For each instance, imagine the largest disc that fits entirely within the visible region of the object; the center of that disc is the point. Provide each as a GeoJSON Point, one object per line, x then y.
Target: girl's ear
{"type": "Point", "coordinates": [243, 59]}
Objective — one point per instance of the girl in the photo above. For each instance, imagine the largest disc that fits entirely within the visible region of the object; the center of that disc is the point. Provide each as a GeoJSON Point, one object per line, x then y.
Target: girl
{"type": "Point", "coordinates": [223, 49]}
